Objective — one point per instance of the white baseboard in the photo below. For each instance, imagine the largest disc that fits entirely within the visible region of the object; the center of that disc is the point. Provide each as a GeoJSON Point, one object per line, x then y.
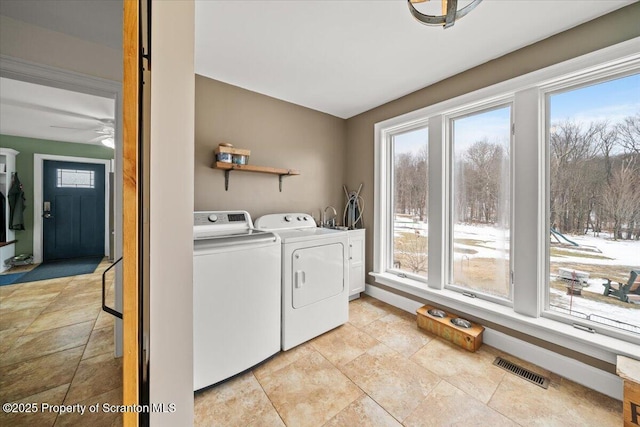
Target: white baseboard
{"type": "Point", "coordinates": [574, 370]}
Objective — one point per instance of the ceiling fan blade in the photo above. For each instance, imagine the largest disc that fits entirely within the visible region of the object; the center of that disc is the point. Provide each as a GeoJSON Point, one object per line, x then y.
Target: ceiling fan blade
{"type": "Point", "coordinates": [70, 127]}
{"type": "Point", "coordinates": [99, 138]}
{"type": "Point", "coordinates": [107, 131]}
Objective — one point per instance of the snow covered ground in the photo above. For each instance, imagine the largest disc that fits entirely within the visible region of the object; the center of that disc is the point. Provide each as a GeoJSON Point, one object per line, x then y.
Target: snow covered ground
{"type": "Point", "coordinates": [495, 241]}
{"type": "Point", "coordinates": [582, 307]}
{"type": "Point", "coordinates": [620, 252]}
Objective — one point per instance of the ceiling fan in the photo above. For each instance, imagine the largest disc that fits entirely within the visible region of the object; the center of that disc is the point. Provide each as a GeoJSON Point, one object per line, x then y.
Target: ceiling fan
{"type": "Point", "coordinates": [104, 130]}
{"type": "Point", "coordinates": [103, 127]}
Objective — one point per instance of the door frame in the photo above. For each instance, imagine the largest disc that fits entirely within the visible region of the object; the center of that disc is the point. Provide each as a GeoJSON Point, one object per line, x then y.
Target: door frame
{"type": "Point", "coordinates": [32, 72]}
{"type": "Point", "coordinates": [38, 166]}
{"type": "Point", "coordinates": [46, 75]}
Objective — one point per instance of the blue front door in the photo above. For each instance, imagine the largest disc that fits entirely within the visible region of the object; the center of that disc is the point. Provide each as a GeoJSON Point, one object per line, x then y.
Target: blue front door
{"type": "Point", "coordinates": [73, 211]}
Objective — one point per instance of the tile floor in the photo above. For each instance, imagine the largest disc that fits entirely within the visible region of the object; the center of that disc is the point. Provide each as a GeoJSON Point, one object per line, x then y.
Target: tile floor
{"type": "Point", "coordinates": [379, 369]}
{"type": "Point", "coordinates": [56, 347]}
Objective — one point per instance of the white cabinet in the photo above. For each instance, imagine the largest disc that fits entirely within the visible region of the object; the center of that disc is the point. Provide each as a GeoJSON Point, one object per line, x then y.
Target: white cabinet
{"type": "Point", "coordinates": [7, 168]}
{"type": "Point", "coordinates": [356, 261]}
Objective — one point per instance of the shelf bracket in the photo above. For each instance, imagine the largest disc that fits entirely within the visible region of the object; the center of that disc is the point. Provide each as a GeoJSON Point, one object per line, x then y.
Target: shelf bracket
{"type": "Point", "coordinates": [280, 176]}
{"type": "Point", "coordinates": [226, 179]}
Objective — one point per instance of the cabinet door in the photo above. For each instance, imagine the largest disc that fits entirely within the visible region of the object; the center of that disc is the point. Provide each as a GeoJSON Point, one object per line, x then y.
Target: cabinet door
{"type": "Point", "coordinates": [356, 246]}
{"type": "Point", "coordinates": [356, 262]}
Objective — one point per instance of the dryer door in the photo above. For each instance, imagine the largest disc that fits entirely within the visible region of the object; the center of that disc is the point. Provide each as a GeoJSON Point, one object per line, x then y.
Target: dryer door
{"type": "Point", "coordinates": [318, 273]}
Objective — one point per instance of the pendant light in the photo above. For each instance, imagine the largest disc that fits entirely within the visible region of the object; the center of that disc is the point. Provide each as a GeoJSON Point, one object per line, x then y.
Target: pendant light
{"type": "Point", "coordinates": [450, 13]}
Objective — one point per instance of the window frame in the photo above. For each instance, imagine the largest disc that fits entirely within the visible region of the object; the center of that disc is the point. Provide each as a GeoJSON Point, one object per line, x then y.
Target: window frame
{"type": "Point", "coordinates": [502, 102]}
{"type": "Point", "coordinates": [387, 203]}
{"type": "Point", "coordinates": [528, 313]}
{"type": "Point", "coordinates": [60, 176]}
{"type": "Point", "coordinates": [391, 204]}
{"type": "Point", "coordinates": [568, 84]}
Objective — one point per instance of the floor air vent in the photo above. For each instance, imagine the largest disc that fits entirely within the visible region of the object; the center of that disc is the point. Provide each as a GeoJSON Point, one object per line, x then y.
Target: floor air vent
{"type": "Point", "coordinates": [522, 372]}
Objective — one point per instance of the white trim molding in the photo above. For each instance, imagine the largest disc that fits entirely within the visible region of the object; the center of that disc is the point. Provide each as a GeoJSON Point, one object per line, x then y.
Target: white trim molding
{"type": "Point", "coordinates": [38, 165]}
{"type": "Point", "coordinates": [31, 72]}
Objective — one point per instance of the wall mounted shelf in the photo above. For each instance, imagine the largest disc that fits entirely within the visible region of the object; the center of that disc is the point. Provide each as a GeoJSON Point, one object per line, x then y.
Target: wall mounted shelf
{"type": "Point", "coordinates": [228, 167]}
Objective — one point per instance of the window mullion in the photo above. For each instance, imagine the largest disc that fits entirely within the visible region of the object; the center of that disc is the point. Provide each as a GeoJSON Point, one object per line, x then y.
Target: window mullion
{"type": "Point", "coordinates": [526, 240]}
{"type": "Point", "coordinates": [437, 203]}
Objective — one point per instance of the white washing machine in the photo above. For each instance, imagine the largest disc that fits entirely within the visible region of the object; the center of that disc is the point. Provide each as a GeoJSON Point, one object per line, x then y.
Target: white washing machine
{"type": "Point", "coordinates": [315, 276]}
{"type": "Point", "coordinates": [236, 296]}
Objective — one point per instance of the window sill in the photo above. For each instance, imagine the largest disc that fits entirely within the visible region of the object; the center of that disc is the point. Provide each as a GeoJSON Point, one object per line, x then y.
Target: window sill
{"type": "Point", "coordinates": [595, 345]}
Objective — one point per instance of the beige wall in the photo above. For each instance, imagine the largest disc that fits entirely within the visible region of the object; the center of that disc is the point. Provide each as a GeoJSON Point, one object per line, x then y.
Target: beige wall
{"type": "Point", "coordinates": [36, 44]}
{"type": "Point", "coordinates": [608, 30]}
{"type": "Point", "coordinates": [170, 211]}
{"type": "Point", "coordinates": [279, 134]}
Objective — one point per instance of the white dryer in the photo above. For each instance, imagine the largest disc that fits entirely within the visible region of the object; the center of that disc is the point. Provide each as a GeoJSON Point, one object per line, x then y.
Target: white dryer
{"type": "Point", "coordinates": [315, 276]}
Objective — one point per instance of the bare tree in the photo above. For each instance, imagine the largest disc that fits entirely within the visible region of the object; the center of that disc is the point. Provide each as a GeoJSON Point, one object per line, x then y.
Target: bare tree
{"type": "Point", "coordinates": [622, 198]}
{"type": "Point", "coordinates": [484, 168]}
{"type": "Point", "coordinates": [607, 143]}
{"type": "Point", "coordinates": [402, 183]}
{"type": "Point", "coordinates": [411, 183]}
{"type": "Point", "coordinates": [411, 252]}
{"type": "Point", "coordinates": [572, 146]}
{"type": "Point", "coordinates": [422, 181]}
{"type": "Point", "coordinates": [629, 133]}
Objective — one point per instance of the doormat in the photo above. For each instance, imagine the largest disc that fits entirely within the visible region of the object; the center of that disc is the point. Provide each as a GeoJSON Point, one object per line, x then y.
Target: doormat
{"type": "Point", "coordinates": [9, 279]}
{"type": "Point", "coordinates": [62, 268]}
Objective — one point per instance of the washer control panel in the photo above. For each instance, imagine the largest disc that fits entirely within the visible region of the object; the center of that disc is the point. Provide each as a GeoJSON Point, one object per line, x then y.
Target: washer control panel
{"type": "Point", "coordinates": [221, 218]}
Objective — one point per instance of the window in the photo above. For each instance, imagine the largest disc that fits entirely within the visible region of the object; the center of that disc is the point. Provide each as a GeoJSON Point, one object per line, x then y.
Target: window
{"type": "Point", "coordinates": [410, 202]}
{"type": "Point", "coordinates": [481, 201]}
{"type": "Point", "coordinates": [594, 199]}
{"type": "Point", "coordinates": [71, 178]}
{"type": "Point", "coordinates": [530, 187]}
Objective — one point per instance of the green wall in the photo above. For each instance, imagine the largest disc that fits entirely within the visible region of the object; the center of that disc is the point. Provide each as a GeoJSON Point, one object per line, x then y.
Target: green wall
{"type": "Point", "coordinates": [24, 166]}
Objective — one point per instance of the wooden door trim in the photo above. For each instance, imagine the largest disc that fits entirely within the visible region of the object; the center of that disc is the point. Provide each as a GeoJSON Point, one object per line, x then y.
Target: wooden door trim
{"type": "Point", "coordinates": [131, 208]}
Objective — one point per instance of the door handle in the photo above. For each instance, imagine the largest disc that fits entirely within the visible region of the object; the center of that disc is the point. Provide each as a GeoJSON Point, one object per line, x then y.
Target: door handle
{"type": "Point", "coordinates": [46, 211]}
{"type": "Point", "coordinates": [109, 310]}
{"type": "Point", "coordinates": [299, 278]}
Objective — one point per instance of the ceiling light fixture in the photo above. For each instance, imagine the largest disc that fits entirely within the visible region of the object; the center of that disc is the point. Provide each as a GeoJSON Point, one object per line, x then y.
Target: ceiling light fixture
{"type": "Point", "coordinates": [450, 13]}
{"type": "Point", "coordinates": [109, 142]}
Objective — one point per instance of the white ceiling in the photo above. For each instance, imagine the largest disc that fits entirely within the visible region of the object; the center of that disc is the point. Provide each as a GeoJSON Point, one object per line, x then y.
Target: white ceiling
{"type": "Point", "coordinates": [42, 112]}
{"type": "Point", "coordinates": [340, 57]}
{"type": "Point", "coordinates": [346, 57]}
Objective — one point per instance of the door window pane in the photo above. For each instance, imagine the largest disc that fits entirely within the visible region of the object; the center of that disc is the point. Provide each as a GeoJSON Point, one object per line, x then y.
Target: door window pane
{"type": "Point", "coordinates": [594, 202]}
{"type": "Point", "coordinates": [71, 178]}
{"type": "Point", "coordinates": [410, 201]}
{"type": "Point", "coordinates": [481, 209]}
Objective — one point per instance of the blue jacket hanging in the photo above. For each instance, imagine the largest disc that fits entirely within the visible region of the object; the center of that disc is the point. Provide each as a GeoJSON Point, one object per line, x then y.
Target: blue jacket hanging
{"type": "Point", "coordinates": [16, 204]}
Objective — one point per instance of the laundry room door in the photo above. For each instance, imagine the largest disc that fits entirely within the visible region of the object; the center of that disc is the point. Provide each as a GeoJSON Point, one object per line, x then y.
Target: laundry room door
{"type": "Point", "coordinates": [73, 210]}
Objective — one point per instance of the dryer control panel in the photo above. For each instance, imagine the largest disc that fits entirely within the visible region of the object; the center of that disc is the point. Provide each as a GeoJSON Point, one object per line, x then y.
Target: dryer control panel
{"type": "Point", "coordinates": [285, 221]}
